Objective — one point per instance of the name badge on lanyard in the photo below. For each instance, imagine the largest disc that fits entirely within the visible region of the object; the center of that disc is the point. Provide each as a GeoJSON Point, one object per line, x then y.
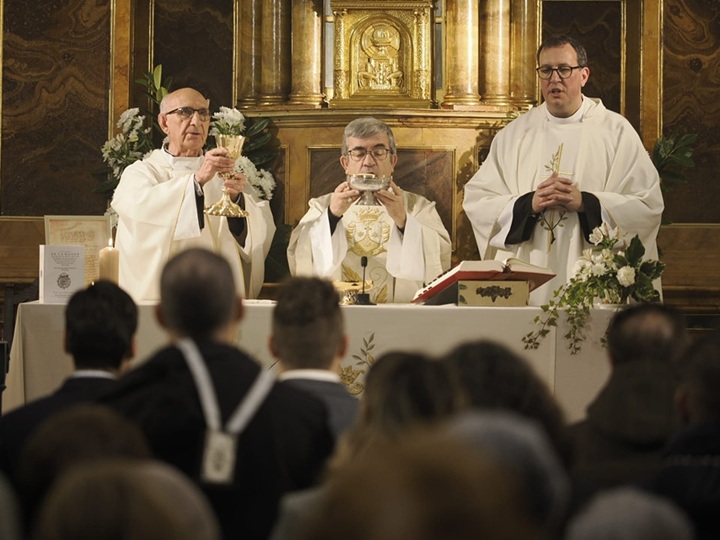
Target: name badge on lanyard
{"type": "Point", "coordinates": [220, 447]}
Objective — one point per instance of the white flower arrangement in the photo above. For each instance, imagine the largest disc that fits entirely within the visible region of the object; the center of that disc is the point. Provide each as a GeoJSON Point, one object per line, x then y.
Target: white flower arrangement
{"type": "Point", "coordinates": [133, 142]}
{"type": "Point", "coordinates": [613, 272]}
{"type": "Point", "coordinates": [229, 121]}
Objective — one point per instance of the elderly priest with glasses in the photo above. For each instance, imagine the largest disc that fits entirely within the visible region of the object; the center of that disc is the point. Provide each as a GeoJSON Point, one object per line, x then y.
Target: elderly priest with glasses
{"type": "Point", "coordinates": [401, 240]}
{"type": "Point", "coordinates": [160, 202]}
{"type": "Point", "coordinates": [560, 170]}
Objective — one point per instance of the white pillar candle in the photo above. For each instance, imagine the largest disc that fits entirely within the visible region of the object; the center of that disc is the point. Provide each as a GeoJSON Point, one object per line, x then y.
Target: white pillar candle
{"type": "Point", "coordinates": [109, 263]}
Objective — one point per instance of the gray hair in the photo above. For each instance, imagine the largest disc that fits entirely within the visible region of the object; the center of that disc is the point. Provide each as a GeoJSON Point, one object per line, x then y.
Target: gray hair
{"type": "Point", "coordinates": [522, 445]}
{"type": "Point", "coordinates": [362, 128]}
{"type": "Point", "coordinates": [629, 514]}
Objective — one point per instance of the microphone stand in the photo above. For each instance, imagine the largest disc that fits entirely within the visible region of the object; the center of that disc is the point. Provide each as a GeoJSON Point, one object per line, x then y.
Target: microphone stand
{"type": "Point", "coordinates": [363, 298]}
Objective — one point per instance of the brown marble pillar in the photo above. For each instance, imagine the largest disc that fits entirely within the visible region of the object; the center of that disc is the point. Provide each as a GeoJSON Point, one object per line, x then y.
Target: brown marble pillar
{"type": "Point", "coordinates": [275, 64]}
{"type": "Point", "coordinates": [462, 54]}
{"type": "Point", "coordinates": [307, 54]}
{"type": "Point", "coordinates": [248, 55]}
{"type": "Point", "coordinates": [495, 62]}
{"type": "Point", "coordinates": [523, 43]}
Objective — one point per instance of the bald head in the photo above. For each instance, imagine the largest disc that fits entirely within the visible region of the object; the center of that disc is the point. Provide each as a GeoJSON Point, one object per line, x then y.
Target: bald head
{"type": "Point", "coordinates": [197, 294]}
{"type": "Point", "coordinates": [185, 119]}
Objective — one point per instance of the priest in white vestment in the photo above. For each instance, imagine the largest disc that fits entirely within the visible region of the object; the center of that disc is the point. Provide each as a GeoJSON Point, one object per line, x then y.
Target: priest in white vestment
{"type": "Point", "coordinates": [560, 170]}
{"type": "Point", "coordinates": [404, 239]}
{"type": "Point", "coordinates": [160, 202]}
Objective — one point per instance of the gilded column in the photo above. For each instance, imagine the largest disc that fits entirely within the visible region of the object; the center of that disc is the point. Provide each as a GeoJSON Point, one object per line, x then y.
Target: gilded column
{"type": "Point", "coordinates": [495, 64]}
{"type": "Point", "coordinates": [275, 68]}
{"type": "Point", "coordinates": [341, 74]}
{"type": "Point", "coordinates": [247, 66]}
{"type": "Point", "coordinates": [523, 43]}
{"type": "Point", "coordinates": [462, 50]}
{"type": "Point", "coordinates": [306, 66]}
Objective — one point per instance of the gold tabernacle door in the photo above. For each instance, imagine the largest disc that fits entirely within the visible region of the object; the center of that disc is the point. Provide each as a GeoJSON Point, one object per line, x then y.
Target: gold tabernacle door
{"type": "Point", "coordinates": [383, 54]}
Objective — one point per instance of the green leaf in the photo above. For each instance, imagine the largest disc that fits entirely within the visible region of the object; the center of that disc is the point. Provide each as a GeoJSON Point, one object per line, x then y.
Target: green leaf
{"type": "Point", "coordinates": [258, 142]}
{"type": "Point", "coordinates": [635, 251]}
{"type": "Point", "coordinates": [257, 126]}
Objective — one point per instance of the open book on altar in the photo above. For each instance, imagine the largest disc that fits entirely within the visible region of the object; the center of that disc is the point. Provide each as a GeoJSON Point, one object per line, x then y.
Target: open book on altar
{"type": "Point", "coordinates": [490, 270]}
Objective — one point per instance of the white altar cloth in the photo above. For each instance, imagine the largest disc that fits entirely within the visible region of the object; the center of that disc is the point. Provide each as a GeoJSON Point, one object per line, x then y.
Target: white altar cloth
{"type": "Point", "coordinates": [38, 364]}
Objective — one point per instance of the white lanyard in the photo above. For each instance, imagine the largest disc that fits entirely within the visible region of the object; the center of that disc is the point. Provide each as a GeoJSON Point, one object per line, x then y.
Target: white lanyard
{"type": "Point", "coordinates": [219, 456]}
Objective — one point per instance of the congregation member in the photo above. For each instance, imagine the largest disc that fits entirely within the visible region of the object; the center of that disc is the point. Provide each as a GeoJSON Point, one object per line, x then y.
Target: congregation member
{"type": "Point", "coordinates": [630, 513]}
{"type": "Point", "coordinates": [521, 445]}
{"type": "Point", "coordinates": [100, 325]}
{"type": "Point", "coordinates": [308, 340]}
{"type": "Point", "coordinates": [689, 475]}
{"type": "Point", "coordinates": [560, 170]}
{"type": "Point", "coordinates": [422, 486]}
{"type": "Point", "coordinates": [403, 391]}
{"type": "Point", "coordinates": [633, 416]}
{"type": "Point", "coordinates": [160, 204]}
{"type": "Point", "coordinates": [210, 410]}
{"type": "Point", "coordinates": [126, 499]}
{"type": "Point", "coordinates": [403, 240]}
{"type": "Point", "coordinates": [497, 379]}
{"type": "Point", "coordinates": [77, 436]}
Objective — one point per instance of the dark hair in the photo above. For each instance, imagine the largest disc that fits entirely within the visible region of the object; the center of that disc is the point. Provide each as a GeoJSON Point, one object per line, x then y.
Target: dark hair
{"type": "Point", "coordinates": [402, 389]}
{"type": "Point", "coordinates": [197, 293]}
{"type": "Point", "coordinates": [496, 378]}
{"type": "Point", "coordinates": [307, 323]}
{"type": "Point", "coordinates": [75, 436]}
{"type": "Point", "coordinates": [701, 377]}
{"type": "Point", "coordinates": [647, 332]}
{"type": "Point", "coordinates": [100, 322]}
{"type": "Point", "coordinates": [558, 40]}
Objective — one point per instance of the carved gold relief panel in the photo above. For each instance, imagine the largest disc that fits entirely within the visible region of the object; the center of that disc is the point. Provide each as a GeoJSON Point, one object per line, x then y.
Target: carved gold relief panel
{"type": "Point", "coordinates": [383, 54]}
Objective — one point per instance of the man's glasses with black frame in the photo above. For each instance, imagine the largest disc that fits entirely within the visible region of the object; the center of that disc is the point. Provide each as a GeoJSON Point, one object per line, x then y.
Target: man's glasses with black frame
{"type": "Point", "coordinates": [564, 72]}
{"type": "Point", "coordinates": [378, 154]}
{"type": "Point", "coordinates": [187, 112]}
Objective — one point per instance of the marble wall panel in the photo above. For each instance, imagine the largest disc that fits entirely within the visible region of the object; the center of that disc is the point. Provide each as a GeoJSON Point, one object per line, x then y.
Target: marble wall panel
{"type": "Point", "coordinates": [193, 40]}
{"type": "Point", "coordinates": [597, 25]}
{"type": "Point", "coordinates": [54, 90]}
{"type": "Point", "coordinates": [691, 104]}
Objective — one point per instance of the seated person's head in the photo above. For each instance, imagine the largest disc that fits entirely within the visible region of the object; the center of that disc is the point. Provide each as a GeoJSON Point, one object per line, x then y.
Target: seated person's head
{"type": "Point", "coordinates": [698, 395]}
{"type": "Point", "coordinates": [422, 486]}
{"type": "Point", "coordinates": [125, 499]}
{"type": "Point", "coordinates": [521, 445]}
{"type": "Point", "coordinates": [197, 295]}
{"type": "Point", "coordinates": [647, 333]}
{"type": "Point", "coordinates": [308, 330]}
{"type": "Point", "coordinates": [78, 435]}
{"type": "Point", "coordinates": [629, 513]}
{"type": "Point", "coordinates": [100, 325]}
{"type": "Point", "coordinates": [405, 389]}
{"type": "Point", "coordinates": [496, 378]}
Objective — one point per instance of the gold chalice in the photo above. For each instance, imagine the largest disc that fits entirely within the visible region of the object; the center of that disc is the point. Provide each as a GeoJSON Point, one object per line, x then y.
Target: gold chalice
{"type": "Point", "coordinates": [225, 206]}
{"type": "Point", "coordinates": [367, 184]}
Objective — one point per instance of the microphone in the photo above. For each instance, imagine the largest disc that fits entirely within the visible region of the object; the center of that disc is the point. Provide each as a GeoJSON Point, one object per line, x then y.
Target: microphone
{"type": "Point", "coordinates": [363, 299]}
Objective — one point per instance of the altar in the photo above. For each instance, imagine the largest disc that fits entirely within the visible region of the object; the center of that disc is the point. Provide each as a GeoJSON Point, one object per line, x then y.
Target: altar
{"type": "Point", "coordinates": [38, 364]}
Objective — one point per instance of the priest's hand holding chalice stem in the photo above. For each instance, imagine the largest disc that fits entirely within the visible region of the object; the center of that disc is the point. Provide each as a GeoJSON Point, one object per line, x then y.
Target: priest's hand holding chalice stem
{"type": "Point", "coordinates": [225, 206]}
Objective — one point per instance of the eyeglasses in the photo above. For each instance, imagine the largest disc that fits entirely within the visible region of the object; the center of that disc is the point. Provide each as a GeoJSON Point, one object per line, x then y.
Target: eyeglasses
{"type": "Point", "coordinates": [187, 112]}
{"type": "Point", "coordinates": [546, 72]}
{"type": "Point", "coordinates": [378, 154]}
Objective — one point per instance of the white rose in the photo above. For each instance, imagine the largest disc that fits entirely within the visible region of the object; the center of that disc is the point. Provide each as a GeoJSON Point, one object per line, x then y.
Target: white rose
{"type": "Point", "coordinates": [626, 276]}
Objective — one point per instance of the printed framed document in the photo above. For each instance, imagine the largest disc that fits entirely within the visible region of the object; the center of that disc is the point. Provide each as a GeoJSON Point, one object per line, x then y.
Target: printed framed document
{"type": "Point", "coordinates": [92, 232]}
